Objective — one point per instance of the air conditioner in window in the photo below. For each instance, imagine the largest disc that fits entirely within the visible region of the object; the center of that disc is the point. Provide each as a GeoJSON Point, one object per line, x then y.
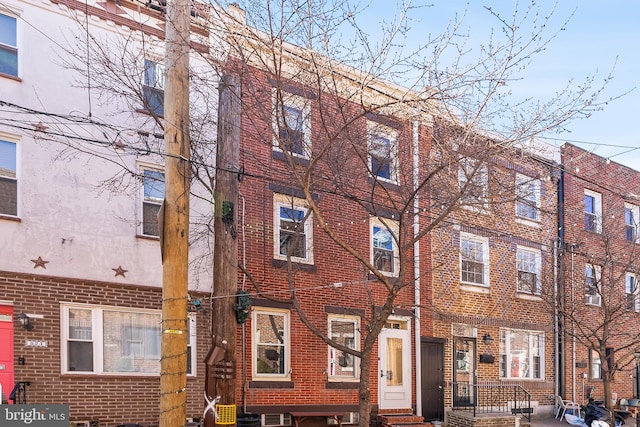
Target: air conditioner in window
{"type": "Point", "coordinates": [92, 423]}
{"type": "Point", "coordinates": [593, 299]}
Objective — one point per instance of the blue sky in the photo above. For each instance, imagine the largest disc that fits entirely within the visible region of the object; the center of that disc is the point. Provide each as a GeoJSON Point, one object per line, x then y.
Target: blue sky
{"type": "Point", "coordinates": [600, 36]}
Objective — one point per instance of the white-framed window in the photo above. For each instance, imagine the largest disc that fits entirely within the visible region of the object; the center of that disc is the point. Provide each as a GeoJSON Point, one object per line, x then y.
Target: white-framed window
{"type": "Point", "coordinates": [592, 211]}
{"type": "Point", "coordinates": [474, 259]}
{"type": "Point", "coordinates": [8, 177]}
{"type": "Point", "coordinates": [385, 256]}
{"type": "Point", "coordinates": [270, 344]}
{"type": "Point", "coordinates": [153, 187]}
{"type": "Point", "coordinates": [293, 229]}
{"type": "Point", "coordinates": [278, 420]}
{"type": "Point", "coordinates": [593, 276]}
{"type": "Point", "coordinates": [631, 216]}
{"type": "Point", "coordinates": [291, 124]}
{"type": "Point", "coordinates": [527, 197]}
{"type": "Point", "coordinates": [595, 365]}
{"type": "Point", "coordinates": [528, 264]}
{"type": "Point", "coordinates": [115, 340]}
{"type": "Point", "coordinates": [632, 292]}
{"type": "Point", "coordinates": [345, 331]}
{"type": "Point", "coordinates": [383, 151]}
{"type": "Point", "coordinates": [153, 87]}
{"type": "Point", "coordinates": [8, 45]}
{"type": "Point", "coordinates": [521, 354]}
{"type": "Point", "coordinates": [473, 180]}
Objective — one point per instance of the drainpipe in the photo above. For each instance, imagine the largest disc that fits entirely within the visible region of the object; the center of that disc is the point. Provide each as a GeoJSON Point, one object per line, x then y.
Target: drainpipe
{"type": "Point", "coordinates": [416, 263]}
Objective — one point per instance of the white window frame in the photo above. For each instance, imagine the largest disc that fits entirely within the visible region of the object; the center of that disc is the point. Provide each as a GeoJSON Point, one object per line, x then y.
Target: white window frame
{"type": "Point", "coordinates": [282, 420]}
{"type": "Point", "coordinates": [595, 216]}
{"type": "Point", "coordinates": [595, 365]}
{"type": "Point", "coordinates": [632, 292]}
{"type": "Point", "coordinates": [375, 131]}
{"type": "Point", "coordinates": [524, 258]}
{"type": "Point", "coordinates": [385, 225]}
{"type": "Point", "coordinates": [480, 180]}
{"type": "Point", "coordinates": [536, 341]}
{"type": "Point", "coordinates": [153, 88]}
{"type": "Point", "coordinates": [298, 103]}
{"type": "Point", "coordinates": [97, 339]}
{"type": "Point", "coordinates": [13, 14]}
{"type": "Point", "coordinates": [484, 243]}
{"type": "Point", "coordinates": [528, 195]}
{"type": "Point", "coordinates": [631, 222]}
{"type": "Point", "coordinates": [334, 355]}
{"type": "Point", "coordinates": [255, 342]}
{"type": "Point", "coordinates": [288, 202]}
{"type": "Point", "coordinates": [13, 139]}
{"type": "Point", "coordinates": [593, 279]}
{"type": "Point", "coordinates": [145, 200]}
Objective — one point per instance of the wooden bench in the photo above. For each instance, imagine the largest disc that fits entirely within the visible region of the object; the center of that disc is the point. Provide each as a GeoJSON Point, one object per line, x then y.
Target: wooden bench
{"type": "Point", "coordinates": [300, 416]}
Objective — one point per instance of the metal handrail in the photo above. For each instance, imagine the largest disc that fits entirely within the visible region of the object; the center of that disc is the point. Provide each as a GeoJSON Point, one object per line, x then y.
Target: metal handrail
{"type": "Point", "coordinates": [19, 393]}
{"type": "Point", "coordinates": [491, 398]}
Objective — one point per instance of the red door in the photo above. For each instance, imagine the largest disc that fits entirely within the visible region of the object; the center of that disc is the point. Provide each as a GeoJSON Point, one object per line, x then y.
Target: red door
{"type": "Point", "coordinates": [6, 349]}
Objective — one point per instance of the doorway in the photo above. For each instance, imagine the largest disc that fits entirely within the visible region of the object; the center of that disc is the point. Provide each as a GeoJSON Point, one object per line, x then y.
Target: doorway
{"type": "Point", "coordinates": [6, 351]}
{"type": "Point", "coordinates": [464, 371]}
{"type": "Point", "coordinates": [432, 378]}
{"type": "Point", "coordinates": [394, 350]}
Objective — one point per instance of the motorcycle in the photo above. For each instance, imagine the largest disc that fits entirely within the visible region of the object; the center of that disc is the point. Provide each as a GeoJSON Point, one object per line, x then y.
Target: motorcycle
{"type": "Point", "coordinates": [595, 415]}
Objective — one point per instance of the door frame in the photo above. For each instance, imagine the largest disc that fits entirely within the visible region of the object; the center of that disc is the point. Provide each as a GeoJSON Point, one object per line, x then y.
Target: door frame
{"type": "Point", "coordinates": [395, 397]}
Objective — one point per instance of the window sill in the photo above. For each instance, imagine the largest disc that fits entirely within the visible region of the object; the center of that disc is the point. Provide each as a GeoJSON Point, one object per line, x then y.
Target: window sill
{"type": "Point", "coordinates": [11, 77]}
{"type": "Point", "coordinates": [297, 159]}
{"type": "Point", "coordinates": [386, 183]}
{"type": "Point", "coordinates": [528, 222]}
{"type": "Point", "coordinates": [480, 289]}
{"type": "Point", "coordinates": [282, 263]}
{"type": "Point", "coordinates": [10, 218]}
{"type": "Point", "coordinates": [271, 384]}
{"type": "Point", "coordinates": [149, 113]}
{"type": "Point", "coordinates": [528, 297]}
{"type": "Point", "coordinates": [391, 277]}
{"type": "Point", "coordinates": [147, 237]}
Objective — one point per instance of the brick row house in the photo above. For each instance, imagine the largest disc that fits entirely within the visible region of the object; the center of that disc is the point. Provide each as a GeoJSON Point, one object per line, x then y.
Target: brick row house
{"type": "Point", "coordinates": [368, 224]}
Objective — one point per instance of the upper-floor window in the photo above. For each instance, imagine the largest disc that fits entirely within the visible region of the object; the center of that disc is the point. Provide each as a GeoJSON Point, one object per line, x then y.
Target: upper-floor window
{"type": "Point", "coordinates": [632, 293]}
{"type": "Point", "coordinates": [384, 249]}
{"type": "Point", "coordinates": [271, 345]}
{"type": "Point", "coordinates": [521, 354]}
{"type": "Point", "coordinates": [153, 87]}
{"type": "Point", "coordinates": [474, 259]}
{"type": "Point", "coordinates": [473, 180]}
{"type": "Point", "coordinates": [528, 264]}
{"type": "Point", "coordinates": [8, 178]}
{"type": "Point", "coordinates": [344, 331]}
{"type": "Point", "coordinates": [592, 211]}
{"type": "Point", "coordinates": [8, 45]}
{"type": "Point", "coordinates": [292, 124]}
{"type": "Point", "coordinates": [293, 229]}
{"type": "Point", "coordinates": [527, 197]}
{"type": "Point", "coordinates": [592, 274]}
{"type": "Point", "coordinates": [383, 151]}
{"type": "Point", "coordinates": [631, 216]}
{"type": "Point", "coordinates": [153, 196]}
{"type": "Point", "coordinates": [115, 340]}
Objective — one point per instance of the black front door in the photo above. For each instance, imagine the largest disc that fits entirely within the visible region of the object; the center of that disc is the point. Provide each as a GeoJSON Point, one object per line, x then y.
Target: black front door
{"type": "Point", "coordinates": [432, 378]}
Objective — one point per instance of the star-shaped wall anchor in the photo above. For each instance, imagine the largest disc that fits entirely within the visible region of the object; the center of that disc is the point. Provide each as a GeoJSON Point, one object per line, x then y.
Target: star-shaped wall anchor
{"type": "Point", "coordinates": [39, 263]}
{"type": "Point", "coordinates": [119, 271]}
{"type": "Point", "coordinates": [40, 127]}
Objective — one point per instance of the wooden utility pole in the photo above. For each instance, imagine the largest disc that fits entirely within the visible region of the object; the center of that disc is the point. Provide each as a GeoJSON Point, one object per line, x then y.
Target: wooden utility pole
{"type": "Point", "coordinates": [221, 375]}
{"type": "Point", "coordinates": [175, 226]}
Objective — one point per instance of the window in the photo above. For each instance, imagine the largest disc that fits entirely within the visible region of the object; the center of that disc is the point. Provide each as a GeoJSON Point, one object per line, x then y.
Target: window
{"type": "Point", "coordinates": [592, 276]}
{"type": "Point", "coordinates": [528, 265]}
{"type": "Point", "coordinates": [115, 340]}
{"type": "Point", "coordinates": [474, 259]}
{"type": "Point", "coordinates": [344, 331]}
{"type": "Point", "coordinates": [631, 216]}
{"type": "Point", "coordinates": [270, 330]}
{"type": "Point", "coordinates": [293, 230]}
{"type": "Point", "coordinates": [384, 249]}
{"type": "Point", "coordinates": [383, 151]}
{"type": "Point", "coordinates": [278, 420]}
{"type": "Point", "coordinates": [8, 45]}
{"type": "Point", "coordinates": [473, 179]}
{"type": "Point", "coordinates": [291, 124]}
{"type": "Point", "coordinates": [632, 293]}
{"type": "Point", "coordinates": [521, 354]}
{"type": "Point", "coordinates": [153, 87]}
{"type": "Point", "coordinates": [8, 178]}
{"type": "Point", "coordinates": [153, 188]}
{"type": "Point", "coordinates": [595, 365]}
{"type": "Point", "coordinates": [527, 197]}
{"type": "Point", "coordinates": [592, 211]}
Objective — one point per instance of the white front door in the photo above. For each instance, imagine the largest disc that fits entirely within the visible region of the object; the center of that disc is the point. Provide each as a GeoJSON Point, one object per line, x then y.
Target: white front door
{"type": "Point", "coordinates": [394, 349]}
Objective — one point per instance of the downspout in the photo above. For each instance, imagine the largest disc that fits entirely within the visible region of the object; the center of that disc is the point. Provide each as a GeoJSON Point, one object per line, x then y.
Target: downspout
{"type": "Point", "coordinates": [416, 264]}
{"type": "Point", "coordinates": [244, 325]}
{"type": "Point", "coordinates": [557, 249]}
